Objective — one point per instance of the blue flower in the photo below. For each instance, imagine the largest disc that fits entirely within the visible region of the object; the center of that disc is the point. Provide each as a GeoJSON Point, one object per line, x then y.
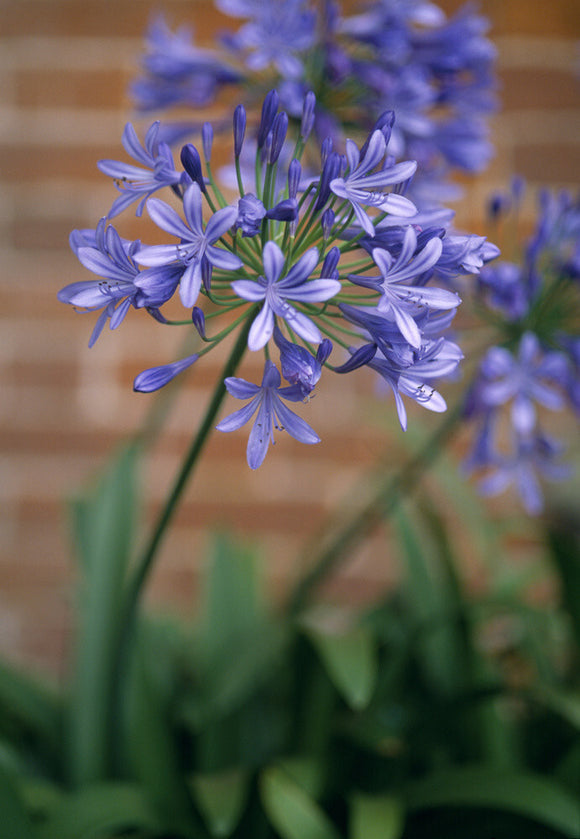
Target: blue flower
{"type": "Point", "coordinates": [276, 290]}
{"type": "Point", "coordinates": [432, 361]}
{"type": "Point", "coordinates": [113, 260]}
{"type": "Point", "coordinates": [276, 34]}
{"type": "Point", "coordinates": [406, 370]}
{"type": "Point", "coordinates": [533, 456]}
{"type": "Point", "coordinates": [272, 413]}
{"type": "Point", "coordinates": [400, 300]}
{"type": "Point", "coordinates": [363, 186]}
{"type": "Point", "coordinates": [196, 246]}
{"type": "Point", "coordinates": [525, 378]}
{"type": "Point", "coordinates": [177, 72]}
{"type": "Point", "coordinates": [135, 182]}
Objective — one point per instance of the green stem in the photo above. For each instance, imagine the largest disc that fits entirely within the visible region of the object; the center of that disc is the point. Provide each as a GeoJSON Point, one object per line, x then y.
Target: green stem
{"type": "Point", "coordinates": [145, 563]}
{"type": "Point", "coordinates": [184, 473]}
{"type": "Point", "coordinates": [337, 549]}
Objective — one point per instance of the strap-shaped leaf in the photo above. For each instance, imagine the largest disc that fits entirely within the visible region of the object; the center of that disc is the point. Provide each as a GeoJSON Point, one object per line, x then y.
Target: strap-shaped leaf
{"type": "Point", "coordinates": [376, 817]}
{"type": "Point", "coordinates": [14, 820]}
{"type": "Point", "coordinates": [292, 812]}
{"type": "Point", "coordinates": [99, 812]}
{"type": "Point", "coordinates": [153, 748]}
{"type": "Point", "coordinates": [221, 797]}
{"type": "Point", "coordinates": [350, 658]}
{"type": "Point", "coordinates": [34, 710]}
{"type": "Point", "coordinates": [104, 537]}
{"type": "Point", "coordinates": [524, 794]}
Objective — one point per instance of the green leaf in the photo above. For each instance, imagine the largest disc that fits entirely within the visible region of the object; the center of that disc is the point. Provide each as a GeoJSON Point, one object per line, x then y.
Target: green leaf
{"type": "Point", "coordinates": [292, 813]}
{"type": "Point", "coordinates": [237, 644]}
{"type": "Point", "coordinates": [101, 810]}
{"type": "Point", "coordinates": [105, 524]}
{"type": "Point", "coordinates": [15, 821]}
{"type": "Point", "coordinates": [523, 794]}
{"type": "Point", "coordinates": [221, 797]}
{"type": "Point", "coordinates": [306, 771]}
{"type": "Point", "coordinates": [376, 817]}
{"type": "Point", "coordinates": [433, 597]}
{"type": "Point", "coordinates": [33, 711]}
{"type": "Point", "coordinates": [236, 674]}
{"type": "Point", "coordinates": [232, 603]}
{"type": "Point", "coordinates": [350, 657]}
{"type": "Point", "coordinates": [152, 746]}
{"type": "Point", "coordinates": [563, 702]}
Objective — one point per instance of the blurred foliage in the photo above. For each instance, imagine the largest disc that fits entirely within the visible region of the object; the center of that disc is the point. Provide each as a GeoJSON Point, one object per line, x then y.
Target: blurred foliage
{"type": "Point", "coordinates": [431, 713]}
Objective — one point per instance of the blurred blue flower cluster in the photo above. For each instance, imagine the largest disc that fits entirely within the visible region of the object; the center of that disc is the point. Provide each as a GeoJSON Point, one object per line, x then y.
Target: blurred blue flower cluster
{"type": "Point", "coordinates": [536, 304]}
{"type": "Point", "coordinates": [436, 73]}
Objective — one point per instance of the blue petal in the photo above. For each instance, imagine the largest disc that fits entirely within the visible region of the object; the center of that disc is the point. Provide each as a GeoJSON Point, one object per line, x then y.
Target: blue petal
{"type": "Point", "coordinates": [273, 260]}
{"type": "Point", "coordinates": [295, 425]}
{"type": "Point", "coordinates": [167, 219]}
{"type": "Point", "coordinates": [239, 418]}
{"type": "Point", "coordinates": [261, 329]}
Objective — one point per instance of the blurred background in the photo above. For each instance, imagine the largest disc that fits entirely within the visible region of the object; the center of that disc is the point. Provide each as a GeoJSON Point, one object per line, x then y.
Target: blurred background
{"type": "Point", "coordinates": [64, 70]}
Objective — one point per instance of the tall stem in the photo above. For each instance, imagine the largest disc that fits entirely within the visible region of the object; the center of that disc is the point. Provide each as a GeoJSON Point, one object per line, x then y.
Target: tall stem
{"type": "Point", "coordinates": [382, 503]}
{"type": "Point", "coordinates": [146, 561]}
{"type": "Point", "coordinates": [189, 462]}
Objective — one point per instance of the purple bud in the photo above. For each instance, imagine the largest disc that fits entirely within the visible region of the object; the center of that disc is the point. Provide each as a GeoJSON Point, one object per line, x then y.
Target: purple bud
{"type": "Point", "coordinates": [191, 162]}
{"type": "Point", "coordinates": [207, 140]}
{"type": "Point", "coordinates": [279, 130]}
{"type": "Point", "coordinates": [239, 129]}
{"type": "Point", "coordinates": [497, 205]}
{"type": "Point", "coordinates": [307, 115]}
{"type": "Point", "coordinates": [324, 350]}
{"type": "Point", "coordinates": [384, 124]}
{"type": "Point", "coordinates": [266, 148]}
{"type": "Point", "coordinates": [325, 149]}
{"type": "Point", "coordinates": [330, 170]}
{"type": "Point", "coordinates": [327, 222]}
{"type": "Point", "coordinates": [286, 210]}
{"type": "Point", "coordinates": [198, 318]}
{"type": "Point", "coordinates": [358, 359]}
{"type": "Point", "coordinates": [299, 367]}
{"type": "Point", "coordinates": [294, 175]}
{"type": "Point", "coordinates": [206, 272]}
{"type": "Point", "coordinates": [156, 314]}
{"type": "Point", "coordinates": [157, 377]}
{"type": "Point", "coordinates": [330, 263]}
{"type": "Point", "coordinates": [269, 109]}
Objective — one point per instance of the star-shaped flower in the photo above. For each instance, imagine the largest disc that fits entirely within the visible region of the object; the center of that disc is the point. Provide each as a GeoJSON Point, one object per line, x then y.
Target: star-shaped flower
{"type": "Point", "coordinates": [196, 245]}
{"type": "Point", "coordinates": [276, 290]}
{"type": "Point", "coordinates": [363, 186]}
{"type": "Point", "coordinates": [272, 413]}
{"type": "Point", "coordinates": [135, 182]}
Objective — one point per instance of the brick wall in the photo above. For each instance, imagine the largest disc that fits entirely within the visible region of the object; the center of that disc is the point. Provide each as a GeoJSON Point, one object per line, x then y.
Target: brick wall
{"type": "Point", "coordinates": [64, 68]}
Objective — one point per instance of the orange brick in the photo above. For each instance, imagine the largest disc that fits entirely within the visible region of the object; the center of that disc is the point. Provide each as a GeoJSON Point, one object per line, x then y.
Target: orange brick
{"type": "Point", "coordinates": [58, 88]}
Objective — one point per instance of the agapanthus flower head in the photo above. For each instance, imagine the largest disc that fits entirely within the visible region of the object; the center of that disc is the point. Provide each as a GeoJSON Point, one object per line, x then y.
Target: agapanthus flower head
{"type": "Point", "coordinates": [535, 304]}
{"type": "Point", "coordinates": [277, 263]}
